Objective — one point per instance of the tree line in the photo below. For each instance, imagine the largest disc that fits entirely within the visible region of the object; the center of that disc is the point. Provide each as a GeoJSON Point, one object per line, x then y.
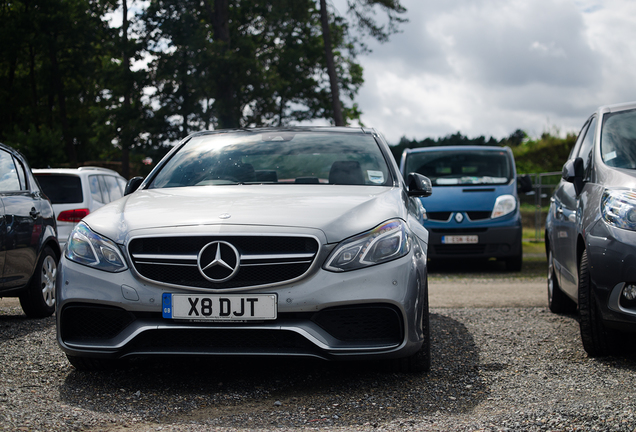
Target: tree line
{"type": "Point", "coordinates": [547, 153]}
{"type": "Point", "coordinates": [75, 88]}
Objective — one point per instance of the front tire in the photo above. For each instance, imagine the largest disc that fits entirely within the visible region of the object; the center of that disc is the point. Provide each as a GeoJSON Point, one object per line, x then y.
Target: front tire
{"type": "Point", "coordinates": [558, 302]}
{"type": "Point", "coordinates": [597, 340]}
{"type": "Point", "coordinates": [39, 299]}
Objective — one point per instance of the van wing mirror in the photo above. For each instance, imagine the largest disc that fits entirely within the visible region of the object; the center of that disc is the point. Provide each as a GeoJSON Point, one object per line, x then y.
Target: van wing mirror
{"type": "Point", "coordinates": [418, 185]}
{"type": "Point", "coordinates": [524, 184]}
{"type": "Point", "coordinates": [573, 173]}
{"type": "Point", "coordinates": [133, 185]}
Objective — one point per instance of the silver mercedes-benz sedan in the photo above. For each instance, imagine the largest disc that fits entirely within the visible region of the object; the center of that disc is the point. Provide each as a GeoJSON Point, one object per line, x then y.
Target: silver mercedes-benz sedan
{"type": "Point", "coordinates": [277, 242]}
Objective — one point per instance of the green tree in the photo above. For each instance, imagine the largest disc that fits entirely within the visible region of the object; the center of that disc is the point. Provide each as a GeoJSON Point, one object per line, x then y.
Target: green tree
{"type": "Point", "coordinates": [362, 14]}
{"type": "Point", "coordinates": [49, 62]}
{"type": "Point", "coordinates": [247, 63]}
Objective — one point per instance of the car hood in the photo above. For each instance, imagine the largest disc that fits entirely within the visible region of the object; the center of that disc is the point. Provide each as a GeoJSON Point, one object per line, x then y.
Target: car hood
{"type": "Point", "coordinates": [338, 211]}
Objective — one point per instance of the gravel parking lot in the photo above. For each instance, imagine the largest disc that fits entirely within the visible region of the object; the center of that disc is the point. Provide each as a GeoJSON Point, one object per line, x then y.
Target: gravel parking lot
{"type": "Point", "coordinates": [501, 361]}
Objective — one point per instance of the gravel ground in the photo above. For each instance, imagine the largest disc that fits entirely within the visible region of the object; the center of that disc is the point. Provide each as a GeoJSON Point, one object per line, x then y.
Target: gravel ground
{"type": "Point", "coordinates": [494, 368]}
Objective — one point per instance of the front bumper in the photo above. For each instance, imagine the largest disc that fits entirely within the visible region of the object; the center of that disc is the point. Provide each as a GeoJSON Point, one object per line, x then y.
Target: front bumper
{"type": "Point", "coordinates": [373, 313]}
{"type": "Point", "coordinates": [500, 239]}
{"type": "Point", "coordinates": [612, 257]}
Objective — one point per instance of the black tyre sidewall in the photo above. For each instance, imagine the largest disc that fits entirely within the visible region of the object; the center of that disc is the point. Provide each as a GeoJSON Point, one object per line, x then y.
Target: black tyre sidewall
{"type": "Point", "coordinates": [558, 302]}
{"type": "Point", "coordinates": [593, 333]}
{"type": "Point", "coordinates": [32, 301]}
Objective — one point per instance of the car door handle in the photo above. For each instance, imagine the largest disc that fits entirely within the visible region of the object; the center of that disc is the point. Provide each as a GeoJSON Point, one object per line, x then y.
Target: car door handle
{"type": "Point", "coordinates": [34, 213]}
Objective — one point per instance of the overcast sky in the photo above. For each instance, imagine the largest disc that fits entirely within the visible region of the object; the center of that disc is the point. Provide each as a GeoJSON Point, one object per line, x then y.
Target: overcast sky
{"type": "Point", "coordinates": [489, 67]}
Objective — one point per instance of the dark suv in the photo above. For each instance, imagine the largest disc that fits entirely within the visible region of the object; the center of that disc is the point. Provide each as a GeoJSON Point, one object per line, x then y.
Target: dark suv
{"type": "Point", "coordinates": [591, 231]}
{"type": "Point", "coordinates": [29, 250]}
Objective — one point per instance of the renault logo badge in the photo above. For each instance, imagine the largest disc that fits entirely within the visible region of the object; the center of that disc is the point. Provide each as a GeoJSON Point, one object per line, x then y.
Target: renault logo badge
{"type": "Point", "coordinates": [459, 217]}
{"type": "Point", "coordinates": [218, 261]}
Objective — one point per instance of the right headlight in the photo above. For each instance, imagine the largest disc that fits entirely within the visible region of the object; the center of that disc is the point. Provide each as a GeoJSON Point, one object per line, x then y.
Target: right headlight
{"type": "Point", "coordinates": [90, 249]}
{"type": "Point", "coordinates": [618, 208]}
{"type": "Point", "coordinates": [504, 204]}
{"type": "Point", "coordinates": [386, 242]}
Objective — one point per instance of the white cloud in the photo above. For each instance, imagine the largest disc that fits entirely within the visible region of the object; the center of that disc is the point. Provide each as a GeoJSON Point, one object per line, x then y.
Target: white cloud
{"type": "Point", "coordinates": [489, 67]}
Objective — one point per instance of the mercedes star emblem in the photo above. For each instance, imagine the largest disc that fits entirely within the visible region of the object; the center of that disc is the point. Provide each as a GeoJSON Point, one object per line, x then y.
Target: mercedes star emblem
{"type": "Point", "coordinates": [218, 261]}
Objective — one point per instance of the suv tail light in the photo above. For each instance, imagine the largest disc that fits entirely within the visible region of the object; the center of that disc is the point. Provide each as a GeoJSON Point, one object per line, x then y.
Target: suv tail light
{"type": "Point", "coordinates": [72, 215]}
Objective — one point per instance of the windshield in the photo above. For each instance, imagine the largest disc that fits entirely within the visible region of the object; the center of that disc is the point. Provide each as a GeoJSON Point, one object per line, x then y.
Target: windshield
{"type": "Point", "coordinates": [277, 158]}
{"type": "Point", "coordinates": [618, 139]}
{"type": "Point", "coordinates": [461, 167]}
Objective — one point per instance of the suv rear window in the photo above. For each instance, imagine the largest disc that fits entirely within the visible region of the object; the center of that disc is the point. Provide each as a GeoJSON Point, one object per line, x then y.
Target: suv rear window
{"type": "Point", "coordinates": [61, 189]}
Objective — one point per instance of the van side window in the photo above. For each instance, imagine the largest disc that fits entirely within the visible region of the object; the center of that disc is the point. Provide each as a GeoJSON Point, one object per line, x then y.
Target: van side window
{"type": "Point", "coordinates": [96, 190]}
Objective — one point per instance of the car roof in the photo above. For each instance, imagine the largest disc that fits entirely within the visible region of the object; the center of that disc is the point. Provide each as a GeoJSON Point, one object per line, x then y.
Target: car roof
{"type": "Point", "coordinates": [13, 151]}
{"type": "Point", "coordinates": [76, 171]}
{"type": "Point", "coordinates": [335, 129]}
{"type": "Point", "coordinates": [617, 107]}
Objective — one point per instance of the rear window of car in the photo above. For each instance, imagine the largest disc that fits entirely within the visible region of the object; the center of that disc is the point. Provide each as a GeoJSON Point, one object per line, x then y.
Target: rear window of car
{"type": "Point", "coordinates": [461, 167]}
{"type": "Point", "coordinates": [61, 188]}
{"type": "Point", "coordinates": [277, 157]}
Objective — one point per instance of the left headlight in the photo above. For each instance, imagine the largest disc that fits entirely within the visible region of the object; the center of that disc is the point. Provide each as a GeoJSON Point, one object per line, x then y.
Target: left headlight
{"type": "Point", "coordinates": [386, 242]}
{"type": "Point", "coordinates": [90, 249]}
{"type": "Point", "coordinates": [505, 204]}
{"type": "Point", "coordinates": [618, 208]}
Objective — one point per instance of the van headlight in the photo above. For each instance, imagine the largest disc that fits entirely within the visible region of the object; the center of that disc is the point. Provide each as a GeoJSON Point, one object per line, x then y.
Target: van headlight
{"type": "Point", "coordinates": [386, 242]}
{"type": "Point", "coordinates": [618, 208]}
{"type": "Point", "coordinates": [504, 204]}
{"type": "Point", "coordinates": [90, 249]}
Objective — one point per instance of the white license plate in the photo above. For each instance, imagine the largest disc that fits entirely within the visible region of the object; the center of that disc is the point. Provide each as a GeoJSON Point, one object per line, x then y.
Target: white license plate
{"type": "Point", "coordinates": [227, 307]}
{"type": "Point", "coordinates": [460, 239]}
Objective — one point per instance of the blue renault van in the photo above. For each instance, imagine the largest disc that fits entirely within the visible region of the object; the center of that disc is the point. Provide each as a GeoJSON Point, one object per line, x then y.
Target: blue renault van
{"type": "Point", "coordinates": [474, 209]}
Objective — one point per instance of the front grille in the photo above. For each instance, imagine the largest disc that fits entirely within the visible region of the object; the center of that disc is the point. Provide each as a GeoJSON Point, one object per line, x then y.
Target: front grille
{"type": "Point", "coordinates": [438, 216]}
{"type": "Point", "coordinates": [263, 259]}
{"type": "Point", "coordinates": [460, 249]}
{"type": "Point", "coordinates": [219, 340]}
{"type": "Point", "coordinates": [361, 323]}
{"type": "Point", "coordinates": [82, 322]}
{"type": "Point", "coordinates": [478, 215]}
{"type": "Point", "coordinates": [452, 231]}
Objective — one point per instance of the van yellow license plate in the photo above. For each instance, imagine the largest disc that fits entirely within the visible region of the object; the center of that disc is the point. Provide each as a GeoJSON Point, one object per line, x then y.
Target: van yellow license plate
{"type": "Point", "coordinates": [225, 307]}
{"type": "Point", "coordinates": [460, 239]}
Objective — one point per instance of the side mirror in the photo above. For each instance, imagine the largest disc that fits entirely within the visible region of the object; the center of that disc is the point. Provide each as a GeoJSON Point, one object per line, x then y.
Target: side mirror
{"type": "Point", "coordinates": [524, 184]}
{"type": "Point", "coordinates": [573, 173]}
{"type": "Point", "coordinates": [418, 185]}
{"type": "Point", "coordinates": [133, 185]}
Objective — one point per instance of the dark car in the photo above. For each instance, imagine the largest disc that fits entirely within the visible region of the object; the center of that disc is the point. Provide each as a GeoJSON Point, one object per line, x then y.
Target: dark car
{"type": "Point", "coordinates": [29, 250]}
{"type": "Point", "coordinates": [590, 233]}
{"type": "Point", "coordinates": [474, 212]}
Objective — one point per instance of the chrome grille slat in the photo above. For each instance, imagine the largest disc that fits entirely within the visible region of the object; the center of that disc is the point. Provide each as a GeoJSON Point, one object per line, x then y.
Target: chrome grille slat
{"type": "Point", "coordinates": [264, 259]}
{"type": "Point", "coordinates": [277, 263]}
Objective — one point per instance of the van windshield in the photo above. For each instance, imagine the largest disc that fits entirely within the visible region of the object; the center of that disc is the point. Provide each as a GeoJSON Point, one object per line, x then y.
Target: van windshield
{"type": "Point", "coordinates": [461, 167]}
